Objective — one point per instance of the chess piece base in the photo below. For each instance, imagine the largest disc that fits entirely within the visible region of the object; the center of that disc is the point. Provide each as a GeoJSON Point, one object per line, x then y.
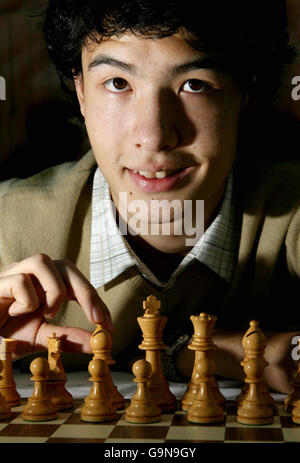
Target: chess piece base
{"type": "Point", "coordinates": [90, 417]}
{"type": "Point", "coordinates": [296, 419]}
{"type": "Point", "coordinates": [11, 396]}
{"type": "Point", "coordinates": [254, 414]}
{"type": "Point", "coordinates": [205, 421]}
{"type": "Point", "coordinates": [290, 403]}
{"type": "Point", "coordinates": [40, 411]}
{"type": "Point", "coordinates": [97, 419]}
{"type": "Point", "coordinates": [153, 419]}
{"type": "Point", "coordinates": [5, 411]}
{"type": "Point", "coordinates": [142, 412]}
{"type": "Point", "coordinates": [191, 394]}
{"type": "Point", "coordinates": [254, 421]}
{"type": "Point", "coordinates": [296, 412]}
{"type": "Point", "coordinates": [163, 397]}
{"type": "Point", "coordinates": [199, 415]}
{"type": "Point", "coordinates": [91, 411]}
{"type": "Point", "coordinates": [5, 416]}
{"type": "Point", "coordinates": [117, 400]}
{"type": "Point", "coordinates": [59, 396]}
{"type": "Point", "coordinates": [37, 419]}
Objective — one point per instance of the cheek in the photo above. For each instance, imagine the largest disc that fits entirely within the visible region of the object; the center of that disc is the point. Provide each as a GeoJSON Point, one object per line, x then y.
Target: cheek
{"type": "Point", "coordinates": [101, 114]}
{"type": "Point", "coordinates": [104, 127]}
{"type": "Point", "coordinates": [217, 125]}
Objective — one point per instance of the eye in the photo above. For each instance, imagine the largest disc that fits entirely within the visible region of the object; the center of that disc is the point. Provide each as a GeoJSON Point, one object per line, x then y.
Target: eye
{"type": "Point", "coordinates": [195, 86]}
{"type": "Point", "coordinates": [116, 85]}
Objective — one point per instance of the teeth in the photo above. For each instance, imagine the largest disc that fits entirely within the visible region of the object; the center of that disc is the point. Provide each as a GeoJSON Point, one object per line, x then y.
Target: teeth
{"type": "Point", "coordinates": [161, 174]}
{"type": "Point", "coordinates": [148, 174]}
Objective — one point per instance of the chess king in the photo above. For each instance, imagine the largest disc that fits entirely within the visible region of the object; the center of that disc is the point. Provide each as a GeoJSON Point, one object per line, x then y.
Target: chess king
{"type": "Point", "coordinates": [176, 103]}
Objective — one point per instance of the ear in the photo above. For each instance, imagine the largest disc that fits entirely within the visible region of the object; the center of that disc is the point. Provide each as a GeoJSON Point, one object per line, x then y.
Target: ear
{"type": "Point", "coordinates": [79, 87]}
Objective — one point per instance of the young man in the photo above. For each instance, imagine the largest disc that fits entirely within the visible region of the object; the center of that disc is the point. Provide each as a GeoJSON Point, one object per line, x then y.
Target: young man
{"type": "Point", "coordinates": [165, 93]}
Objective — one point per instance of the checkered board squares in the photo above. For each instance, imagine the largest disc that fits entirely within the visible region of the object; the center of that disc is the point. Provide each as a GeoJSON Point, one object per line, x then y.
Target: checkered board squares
{"type": "Point", "coordinates": [173, 428]}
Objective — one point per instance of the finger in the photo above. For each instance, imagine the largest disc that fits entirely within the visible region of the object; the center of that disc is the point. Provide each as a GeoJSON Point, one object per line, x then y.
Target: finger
{"type": "Point", "coordinates": [75, 340]}
{"type": "Point", "coordinates": [11, 265]}
{"type": "Point", "coordinates": [45, 276]}
{"type": "Point", "coordinates": [85, 294]}
{"type": "Point", "coordinates": [23, 329]}
{"type": "Point", "coordinates": [18, 292]}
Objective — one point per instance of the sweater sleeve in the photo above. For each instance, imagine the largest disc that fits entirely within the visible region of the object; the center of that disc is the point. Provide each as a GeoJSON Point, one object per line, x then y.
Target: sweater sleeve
{"type": "Point", "coordinates": [293, 245]}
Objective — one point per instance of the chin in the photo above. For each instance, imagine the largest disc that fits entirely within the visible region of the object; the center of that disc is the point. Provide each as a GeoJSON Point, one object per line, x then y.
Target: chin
{"type": "Point", "coordinates": [170, 248]}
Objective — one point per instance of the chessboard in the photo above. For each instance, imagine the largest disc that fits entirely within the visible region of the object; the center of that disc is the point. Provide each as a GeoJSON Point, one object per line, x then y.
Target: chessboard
{"type": "Point", "coordinates": [172, 429]}
{"type": "Point", "coordinates": [102, 393]}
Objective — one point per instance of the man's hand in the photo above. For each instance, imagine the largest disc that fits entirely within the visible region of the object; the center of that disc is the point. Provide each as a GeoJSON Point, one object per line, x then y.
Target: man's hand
{"type": "Point", "coordinates": [33, 289]}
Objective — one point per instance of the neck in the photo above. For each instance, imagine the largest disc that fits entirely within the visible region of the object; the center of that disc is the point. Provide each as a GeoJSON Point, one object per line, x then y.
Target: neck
{"type": "Point", "coordinates": [161, 263]}
{"type": "Point", "coordinates": [162, 254]}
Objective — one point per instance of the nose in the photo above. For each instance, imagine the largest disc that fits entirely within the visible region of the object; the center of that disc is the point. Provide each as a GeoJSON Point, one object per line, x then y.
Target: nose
{"type": "Point", "coordinates": [155, 127]}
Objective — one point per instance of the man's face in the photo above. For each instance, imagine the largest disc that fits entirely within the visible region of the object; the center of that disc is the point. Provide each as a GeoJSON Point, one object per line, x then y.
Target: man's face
{"type": "Point", "coordinates": [158, 108]}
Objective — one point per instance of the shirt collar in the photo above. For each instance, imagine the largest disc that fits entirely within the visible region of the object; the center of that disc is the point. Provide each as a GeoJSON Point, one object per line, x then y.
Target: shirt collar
{"type": "Point", "coordinates": [111, 255]}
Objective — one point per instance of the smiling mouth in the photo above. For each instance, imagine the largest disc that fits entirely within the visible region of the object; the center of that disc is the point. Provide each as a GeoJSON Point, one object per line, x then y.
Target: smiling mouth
{"type": "Point", "coordinates": [160, 180]}
{"type": "Point", "coordinates": [156, 175]}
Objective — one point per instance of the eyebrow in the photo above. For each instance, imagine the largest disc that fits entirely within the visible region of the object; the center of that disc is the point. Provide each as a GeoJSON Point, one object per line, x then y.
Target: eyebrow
{"type": "Point", "coordinates": [203, 63]}
{"type": "Point", "coordinates": [105, 59]}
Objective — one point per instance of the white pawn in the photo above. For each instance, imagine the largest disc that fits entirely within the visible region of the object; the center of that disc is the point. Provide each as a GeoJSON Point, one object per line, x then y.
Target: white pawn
{"type": "Point", "coordinates": [5, 410]}
{"type": "Point", "coordinates": [205, 407]}
{"type": "Point", "coordinates": [97, 407]}
{"type": "Point", "coordinates": [39, 406]}
{"type": "Point", "coordinates": [143, 408]}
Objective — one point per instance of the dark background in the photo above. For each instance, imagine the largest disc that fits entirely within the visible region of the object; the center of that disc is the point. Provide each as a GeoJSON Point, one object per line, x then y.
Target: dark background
{"type": "Point", "coordinates": [36, 130]}
{"type": "Point", "coordinates": [36, 126]}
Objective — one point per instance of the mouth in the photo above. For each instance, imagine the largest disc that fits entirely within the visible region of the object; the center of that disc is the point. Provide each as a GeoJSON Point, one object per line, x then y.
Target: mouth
{"type": "Point", "coordinates": [156, 174]}
{"type": "Point", "coordinates": [158, 180]}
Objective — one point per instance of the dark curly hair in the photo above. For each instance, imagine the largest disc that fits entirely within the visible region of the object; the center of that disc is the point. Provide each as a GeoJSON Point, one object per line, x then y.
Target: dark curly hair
{"type": "Point", "coordinates": [249, 37]}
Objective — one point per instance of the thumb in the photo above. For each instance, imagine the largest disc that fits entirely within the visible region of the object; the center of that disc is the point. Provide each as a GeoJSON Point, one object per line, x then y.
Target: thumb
{"type": "Point", "coordinates": [75, 340]}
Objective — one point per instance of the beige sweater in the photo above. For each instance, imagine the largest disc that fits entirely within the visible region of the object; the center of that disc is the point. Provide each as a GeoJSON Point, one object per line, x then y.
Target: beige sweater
{"type": "Point", "coordinates": [51, 213]}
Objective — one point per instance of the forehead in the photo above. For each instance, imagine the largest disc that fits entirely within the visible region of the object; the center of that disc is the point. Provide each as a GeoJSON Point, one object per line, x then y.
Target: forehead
{"type": "Point", "coordinates": [137, 49]}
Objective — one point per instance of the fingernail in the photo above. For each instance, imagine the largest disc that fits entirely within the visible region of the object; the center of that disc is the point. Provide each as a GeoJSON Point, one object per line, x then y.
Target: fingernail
{"type": "Point", "coordinates": [97, 315]}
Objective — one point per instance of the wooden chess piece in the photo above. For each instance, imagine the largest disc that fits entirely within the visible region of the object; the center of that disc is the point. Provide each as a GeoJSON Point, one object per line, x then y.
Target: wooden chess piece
{"type": "Point", "coordinates": [205, 408]}
{"type": "Point", "coordinates": [59, 396]}
{"type": "Point", "coordinates": [5, 410]}
{"type": "Point", "coordinates": [291, 400]}
{"type": "Point", "coordinates": [39, 406]}
{"type": "Point", "coordinates": [202, 342]}
{"type": "Point", "coordinates": [264, 391]}
{"type": "Point", "coordinates": [97, 408]}
{"type": "Point", "coordinates": [7, 383]}
{"type": "Point", "coordinates": [295, 411]}
{"type": "Point", "coordinates": [143, 408]}
{"type": "Point", "coordinates": [152, 324]}
{"type": "Point", "coordinates": [254, 409]}
{"type": "Point", "coordinates": [101, 344]}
